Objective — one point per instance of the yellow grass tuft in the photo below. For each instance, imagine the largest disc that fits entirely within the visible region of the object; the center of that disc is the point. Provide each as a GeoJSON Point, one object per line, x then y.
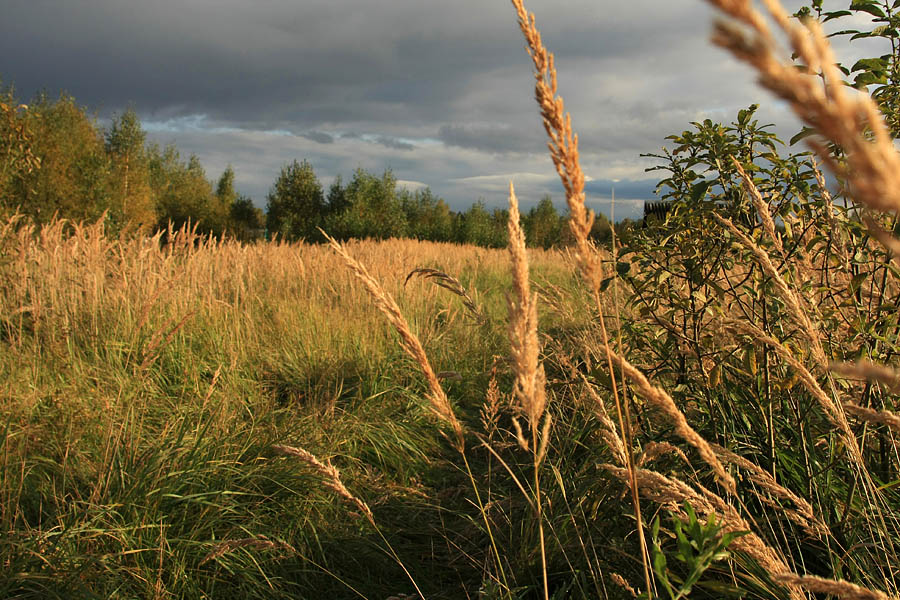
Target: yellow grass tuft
{"type": "Point", "coordinates": [332, 477]}
{"type": "Point", "coordinates": [440, 404]}
{"type": "Point", "coordinates": [523, 336]}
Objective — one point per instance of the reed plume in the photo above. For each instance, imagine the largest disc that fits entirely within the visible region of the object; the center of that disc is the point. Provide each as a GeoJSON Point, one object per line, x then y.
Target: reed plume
{"type": "Point", "coordinates": [330, 474]}
{"type": "Point", "coordinates": [817, 94]}
{"type": "Point", "coordinates": [530, 382]}
{"type": "Point", "coordinates": [437, 398]}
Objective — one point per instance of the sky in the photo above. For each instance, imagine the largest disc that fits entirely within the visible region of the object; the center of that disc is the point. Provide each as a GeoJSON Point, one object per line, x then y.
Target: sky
{"type": "Point", "coordinates": [441, 93]}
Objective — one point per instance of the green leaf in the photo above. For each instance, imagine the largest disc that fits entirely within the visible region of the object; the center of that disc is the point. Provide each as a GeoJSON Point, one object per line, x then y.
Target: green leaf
{"type": "Point", "coordinates": [868, 6]}
{"type": "Point", "coordinates": [804, 133]}
{"type": "Point", "coordinates": [836, 14]}
{"type": "Point", "coordinates": [866, 79]}
{"type": "Point", "coordinates": [698, 190]}
{"type": "Point", "coordinates": [871, 64]}
{"type": "Point", "coordinates": [856, 282]}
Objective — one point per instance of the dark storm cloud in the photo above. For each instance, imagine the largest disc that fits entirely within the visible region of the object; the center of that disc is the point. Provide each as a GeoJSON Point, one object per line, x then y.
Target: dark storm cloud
{"type": "Point", "coordinates": [318, 136]}
{"type": "Point", "coordinates": [282, 62]}
{"type": "Point", "coordinates": [390, 142]}
{"type": "Point", "coordinates": [439, 92]}
{"type": "Point", "coordinates": [491, 137]}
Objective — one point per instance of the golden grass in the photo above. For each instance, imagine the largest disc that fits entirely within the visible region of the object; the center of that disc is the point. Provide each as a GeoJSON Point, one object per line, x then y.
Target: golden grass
{"type": "Point", "coordinates": [563, 146]}
{"type": "Point", "coordinates": [410, 343]}
{"type": "Point", "coordinates": [330, 475]}
{"type": "Point", "coordinates": [65, 281]}
{"type": "Point", "coordinates": [873, 168]}
{"type": "Point", "coordinates": [530, 382]}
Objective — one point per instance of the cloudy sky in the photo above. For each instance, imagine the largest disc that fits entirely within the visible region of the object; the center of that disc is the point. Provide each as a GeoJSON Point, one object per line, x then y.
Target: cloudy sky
{"type": "Point", "coordinates": [439, 92]}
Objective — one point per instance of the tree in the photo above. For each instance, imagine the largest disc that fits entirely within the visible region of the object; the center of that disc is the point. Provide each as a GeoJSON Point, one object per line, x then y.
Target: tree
{"type": "Point", "coordinates": [428, 217]}
{"type": "Point", "coordinates": [225, 188]}
{"type": "Point", "coordinates": [474, 226]}
{"type": "Point", "coordinates": [246, 219]}
{"type": "Point", "coordinates": [131, 199]}
{"type": "Point", "coordinates": [183, 194]}
{"type": "Point", "coordinates": [17, 158]}
{"type": "Point", "coordinates": [337, 197]}
{"type": "Point", "coordinates": [372, 208]}
{"type": "Point", "coordinates": [601, 232]}
{"type": "Point", "coordinates": [296, 204]}
{"type": "Point", "coordinates": [543, 224]}
{"type": "Point", "coordinates": [225, 198]}
{"type": "Point", "coordinates": [73, 181]}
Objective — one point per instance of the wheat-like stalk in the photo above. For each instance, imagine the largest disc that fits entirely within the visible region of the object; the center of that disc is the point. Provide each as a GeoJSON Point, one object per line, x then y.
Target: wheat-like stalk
{"type": "Point", "coordinates": [563, 145]}
{"type": "Point", "coordinates": [330, 474]}
{"type": "Point", "coordinates": [448, 282]}
{"type": "Point", "coordinates": [260, 543]}
{"type": "Point", "coordinates": [870, 415]}
{"type": "Point", "coordinates": [841, 589]}
{"type": "Point", "coordinates": [671, 493]}
{"type": "Point", "coordinates": [530, 383]}
{"type": "Point", "coordinates": [663, 401]}
{"type": "Point", "coordinates": [798, 308]}
{"type": "Point", "coordinates": [869, 371]}
{"type": "Point", "coordinates": [437, 398]}
{"type": "Point", "coordinates": [762, 207]}
{"type": "Point", "coordinates": [818, 96]}
{"type": "Point", "coordinates": [804, 515]}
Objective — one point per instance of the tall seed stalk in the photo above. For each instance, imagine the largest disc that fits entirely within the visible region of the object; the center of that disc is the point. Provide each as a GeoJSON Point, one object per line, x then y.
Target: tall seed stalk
{"type": "Point", "coordinates": [563, 146]}
{"type": "Point", "coordinates": [530, 384]}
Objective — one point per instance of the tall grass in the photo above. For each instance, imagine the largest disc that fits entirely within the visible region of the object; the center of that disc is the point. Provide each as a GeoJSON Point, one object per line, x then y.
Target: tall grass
{"type": "Point", "coordinates": [200, 418]}
{"type": "Point", "coordinates": [149, 387]}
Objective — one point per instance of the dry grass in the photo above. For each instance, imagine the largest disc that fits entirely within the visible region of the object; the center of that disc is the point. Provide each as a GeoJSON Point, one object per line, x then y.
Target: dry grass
{"type": "Point", "coordinates": [440, 404]}
{"type": "Point", "coordinates": [68, 286]}
{"type": "Point", "coordinates": [330, 475]}
{"type": "Point", "coordinates": [873, 167]}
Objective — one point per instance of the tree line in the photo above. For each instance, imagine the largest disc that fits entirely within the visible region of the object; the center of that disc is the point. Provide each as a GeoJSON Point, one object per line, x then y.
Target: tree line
{"type": "Point", "coordinates": [56, 161]}
{"type": "Point", "coordinates": [371, 206]}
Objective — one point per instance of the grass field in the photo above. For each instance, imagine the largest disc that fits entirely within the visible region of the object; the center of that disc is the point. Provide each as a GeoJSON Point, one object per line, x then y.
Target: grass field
{"type": "Point", "coordinates": [707, 414]}
{"type": "Point", "coordinates": [144, 386]}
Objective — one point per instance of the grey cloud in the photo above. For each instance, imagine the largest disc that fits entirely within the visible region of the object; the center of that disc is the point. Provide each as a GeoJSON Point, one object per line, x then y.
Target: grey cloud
{"type": "Point", "coordinates": [318, 136]}
{"type": "Point", "coordinates": [449, 80]}
{"type": "Point", "coordinates": [490, 137]}
{"type": "Point", "coordinates": [394, 143]}
{"type": "Point", "coordinates": [383, 140]}
{"type": "Point", "coordinates": [644, 189]}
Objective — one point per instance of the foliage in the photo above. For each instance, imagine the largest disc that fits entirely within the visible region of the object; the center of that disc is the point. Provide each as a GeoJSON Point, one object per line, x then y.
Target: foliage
{"type": "Point", "coordinates": [246, 220]}
{"type": "Point", "coordinates": [428, 217]}
{"type": "Point", "coordinates": [478, 226]}
{"type": "Point", "coordinates": [55, 161]}
{"type": "Point", "coordinates": [368, 207]}
{"type": "Point", "coordinates": [296, 205]}
{"type": "Point", "coordinates": [17, 158]}
{"type": "Point", "coordinates": [183, 194]}
{"type": "Point", "coordinates": [132, 201]}
{"type": "Point", "coordinates": [543, 225]}
{"type": "Point", "coordinates": [879, 75]}
{"type": "Point", "coordinates": [73, 180]}
{"type": "Point", "coordinates": [698, 546]}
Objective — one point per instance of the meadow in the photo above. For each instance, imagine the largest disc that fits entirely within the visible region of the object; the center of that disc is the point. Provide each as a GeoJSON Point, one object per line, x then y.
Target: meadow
{"type": "Point", "coordinates": [146, 383]}
{"type": "Point", "coordinates": [679, 414]}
